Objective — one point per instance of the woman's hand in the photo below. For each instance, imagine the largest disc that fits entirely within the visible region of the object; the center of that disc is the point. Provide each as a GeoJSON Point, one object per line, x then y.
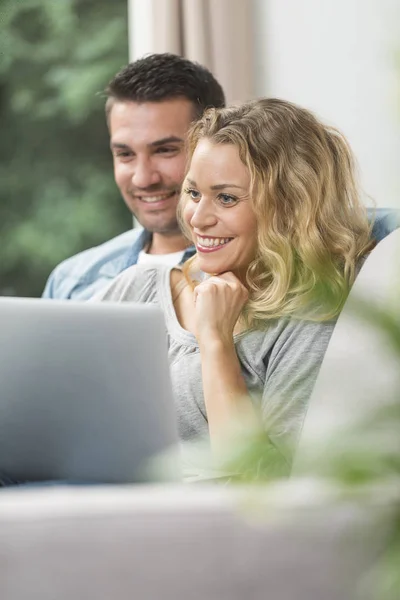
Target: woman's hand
{"type": "Point", "coordinates": [219, 301]}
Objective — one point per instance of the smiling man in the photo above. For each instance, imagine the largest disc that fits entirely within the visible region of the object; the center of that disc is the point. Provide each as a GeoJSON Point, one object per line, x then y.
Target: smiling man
{"type": "Point", "coordinates": [150, 106]}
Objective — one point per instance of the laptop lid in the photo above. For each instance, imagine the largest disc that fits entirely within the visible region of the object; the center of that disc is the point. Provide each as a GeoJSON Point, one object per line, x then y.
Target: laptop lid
{"type": "Point", "coordinates": [85, 392]}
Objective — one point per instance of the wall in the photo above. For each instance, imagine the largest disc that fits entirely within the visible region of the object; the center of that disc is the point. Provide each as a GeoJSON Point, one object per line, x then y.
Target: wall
{"type": "Point", "coordinates": [338, 58]}
{"type": "Point", "coordinates": [140, 15]}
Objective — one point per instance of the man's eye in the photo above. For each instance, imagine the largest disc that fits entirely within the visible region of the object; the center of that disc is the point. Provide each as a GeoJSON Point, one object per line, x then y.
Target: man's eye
{"type": "Point", "coordinates": [227, 200]}
{"type": "Point", "coordinates": [194, 194]}
{"type": "Point", "coordinates": [167, 150]}
{"type": "Point", "coordinates": [123, 154]}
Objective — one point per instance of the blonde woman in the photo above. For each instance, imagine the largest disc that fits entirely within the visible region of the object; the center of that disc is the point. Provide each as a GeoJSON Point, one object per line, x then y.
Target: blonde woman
{"type": "Point", "coordinates": [271, 204]}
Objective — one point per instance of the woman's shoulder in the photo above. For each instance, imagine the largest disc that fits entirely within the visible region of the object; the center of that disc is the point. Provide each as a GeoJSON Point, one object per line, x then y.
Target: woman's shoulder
{"type": "Point", "coordinates": [287, 334]}
{"type": "Point", "coordinates": [135, 284]}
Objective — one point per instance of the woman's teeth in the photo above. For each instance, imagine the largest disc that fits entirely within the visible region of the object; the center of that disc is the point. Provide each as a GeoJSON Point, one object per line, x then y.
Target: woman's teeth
{"type": "Point", "coordinates": [212, 242]}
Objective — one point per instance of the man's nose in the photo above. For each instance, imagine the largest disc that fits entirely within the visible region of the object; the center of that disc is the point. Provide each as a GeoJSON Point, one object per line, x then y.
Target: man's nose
{"type": "Point", "coordinates": [203, 215]}
{"type": "Point", "coordinates": [145, 175]}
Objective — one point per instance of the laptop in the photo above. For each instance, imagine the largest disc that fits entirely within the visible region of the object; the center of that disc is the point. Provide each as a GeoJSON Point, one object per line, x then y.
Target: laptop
{"type": "Point", "coordinates": [85, 393]}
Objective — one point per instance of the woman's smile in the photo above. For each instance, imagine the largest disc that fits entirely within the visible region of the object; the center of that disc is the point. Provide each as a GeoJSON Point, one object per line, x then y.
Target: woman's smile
{"type": "Point", "coordinates": [211, 244]}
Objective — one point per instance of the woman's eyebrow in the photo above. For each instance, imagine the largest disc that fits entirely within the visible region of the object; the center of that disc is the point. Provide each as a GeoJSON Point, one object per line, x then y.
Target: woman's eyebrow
{"type": "Point", "coordinates": [219, 186]}
{"type": "Point", "coordinates": [222, 186]}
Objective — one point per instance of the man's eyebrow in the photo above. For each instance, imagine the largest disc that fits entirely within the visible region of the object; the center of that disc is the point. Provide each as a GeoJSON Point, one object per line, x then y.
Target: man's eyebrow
{"type": "Point", "coordinates": [120, 146]}
{"type": "Point", "coordinates": [172, 139]}
{"type": "Point", "coordinates": [220, 186]}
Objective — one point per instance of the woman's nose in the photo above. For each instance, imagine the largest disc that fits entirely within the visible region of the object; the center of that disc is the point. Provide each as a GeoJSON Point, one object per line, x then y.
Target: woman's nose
{"type": "Point", "coordinates": [203, 214]}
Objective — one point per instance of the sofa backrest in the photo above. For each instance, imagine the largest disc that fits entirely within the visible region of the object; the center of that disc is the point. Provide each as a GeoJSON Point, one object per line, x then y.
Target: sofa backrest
{"type": "Point", "coordinates": [360, 370]}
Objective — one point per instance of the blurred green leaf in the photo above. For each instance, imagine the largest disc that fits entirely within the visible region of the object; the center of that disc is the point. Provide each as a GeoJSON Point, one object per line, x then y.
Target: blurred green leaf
{"type": "Point", "coordinates": [57, 194]}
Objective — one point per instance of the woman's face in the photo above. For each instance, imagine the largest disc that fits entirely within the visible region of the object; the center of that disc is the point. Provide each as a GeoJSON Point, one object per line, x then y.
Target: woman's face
{"type": "Point", "coordinates": [218, 209]}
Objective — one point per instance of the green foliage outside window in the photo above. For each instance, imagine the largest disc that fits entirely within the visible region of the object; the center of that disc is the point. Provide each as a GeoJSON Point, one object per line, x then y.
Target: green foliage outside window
{"type": "Point", "coordinates": [57, 194]}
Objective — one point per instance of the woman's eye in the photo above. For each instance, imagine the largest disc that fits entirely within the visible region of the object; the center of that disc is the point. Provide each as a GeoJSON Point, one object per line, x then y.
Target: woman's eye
{"type": "Point", "coordinates": [227, 200]}
{"type": "Point", "coordinates": [194, 194]}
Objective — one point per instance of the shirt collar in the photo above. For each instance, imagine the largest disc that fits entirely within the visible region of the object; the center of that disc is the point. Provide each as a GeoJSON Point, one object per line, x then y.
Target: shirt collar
{"type": "Point", "coordinates": [143, 240]}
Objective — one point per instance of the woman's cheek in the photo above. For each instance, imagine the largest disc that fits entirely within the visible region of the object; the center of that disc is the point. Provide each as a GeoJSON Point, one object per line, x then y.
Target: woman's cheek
{"type": "Point", "coordinates": [187, 215]}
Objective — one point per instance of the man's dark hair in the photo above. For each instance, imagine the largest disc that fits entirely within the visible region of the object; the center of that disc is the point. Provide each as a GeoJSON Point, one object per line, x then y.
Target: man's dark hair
{"type": "Point", "coordinates": [159, 77]}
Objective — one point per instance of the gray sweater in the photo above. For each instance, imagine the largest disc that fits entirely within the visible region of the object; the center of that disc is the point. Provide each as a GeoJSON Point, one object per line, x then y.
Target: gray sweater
{"type": "Point", "coordinates": [279, 363]}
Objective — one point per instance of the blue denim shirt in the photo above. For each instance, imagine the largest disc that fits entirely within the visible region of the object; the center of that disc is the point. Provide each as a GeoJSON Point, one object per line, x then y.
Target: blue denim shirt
{"type": "Point", "coordinates": [86, 273]}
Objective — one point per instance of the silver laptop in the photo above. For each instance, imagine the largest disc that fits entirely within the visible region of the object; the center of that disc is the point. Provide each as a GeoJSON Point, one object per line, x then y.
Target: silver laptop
{"type": "Point", "coordinates": [85, 393]}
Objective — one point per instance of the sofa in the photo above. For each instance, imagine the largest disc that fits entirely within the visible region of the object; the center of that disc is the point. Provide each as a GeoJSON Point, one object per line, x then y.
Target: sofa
{"type": "Point", "coordinates": [184, 542]}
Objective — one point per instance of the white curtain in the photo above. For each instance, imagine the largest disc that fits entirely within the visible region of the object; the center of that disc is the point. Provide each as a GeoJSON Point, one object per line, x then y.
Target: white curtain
{"type": "Point", "coordinates": [215, 33]}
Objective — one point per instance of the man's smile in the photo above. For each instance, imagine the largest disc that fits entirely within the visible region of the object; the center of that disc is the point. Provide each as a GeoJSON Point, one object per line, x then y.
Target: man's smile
{"type": "Point", "coordinates": [155, 198]}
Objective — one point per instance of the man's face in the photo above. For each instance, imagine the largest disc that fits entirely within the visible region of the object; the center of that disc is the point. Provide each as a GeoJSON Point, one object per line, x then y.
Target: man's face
{"type": "Point", "coordinates": [147, 142]}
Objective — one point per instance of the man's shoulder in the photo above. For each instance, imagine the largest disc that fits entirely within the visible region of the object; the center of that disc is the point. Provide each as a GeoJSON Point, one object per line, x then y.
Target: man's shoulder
{"type": "Point", "coordinates": [385, 220]}
{"type": "Point", "coordinates": [103, 253]}
{"type": "Point", "coordinates": [85, 273]}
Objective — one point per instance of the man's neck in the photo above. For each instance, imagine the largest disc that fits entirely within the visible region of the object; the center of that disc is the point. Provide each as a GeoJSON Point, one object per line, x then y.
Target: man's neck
{"type": "Point", "coordinates": [167, 244]}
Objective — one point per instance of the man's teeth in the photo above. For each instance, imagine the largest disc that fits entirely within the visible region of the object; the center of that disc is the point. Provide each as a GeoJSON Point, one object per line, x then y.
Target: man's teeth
{"type": "Point", "coordinates": [212, 242]}
{"type": "Point", "coordinates": [151, 199]}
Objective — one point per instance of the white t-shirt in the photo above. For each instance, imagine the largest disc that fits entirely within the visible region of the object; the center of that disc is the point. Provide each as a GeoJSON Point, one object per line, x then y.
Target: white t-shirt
{"type": "Point", "coordinates": [170, 260]}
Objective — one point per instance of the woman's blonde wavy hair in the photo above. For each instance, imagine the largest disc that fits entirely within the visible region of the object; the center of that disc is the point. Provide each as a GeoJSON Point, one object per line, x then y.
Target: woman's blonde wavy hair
{"type": "Point", "coordinates": [312, 227]}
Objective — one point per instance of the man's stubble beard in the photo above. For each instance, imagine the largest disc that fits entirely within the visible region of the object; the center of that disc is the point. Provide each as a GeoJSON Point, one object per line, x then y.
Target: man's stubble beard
{"type": "Point", "coordinates": [168, 229]}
